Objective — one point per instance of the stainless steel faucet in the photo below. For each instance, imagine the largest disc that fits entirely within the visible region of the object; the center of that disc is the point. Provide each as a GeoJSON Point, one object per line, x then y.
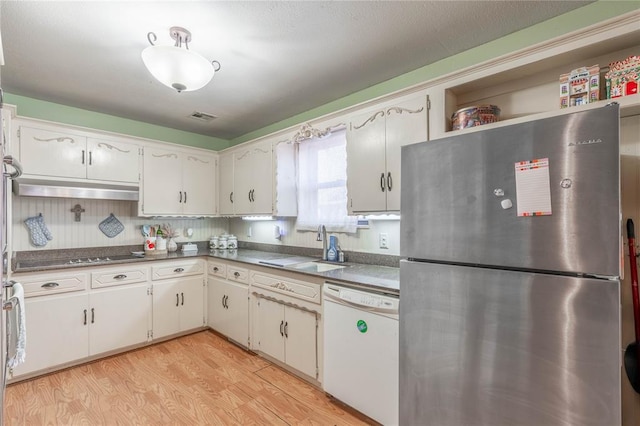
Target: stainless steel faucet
{"type": "Point", "coordinates": [322, 236]}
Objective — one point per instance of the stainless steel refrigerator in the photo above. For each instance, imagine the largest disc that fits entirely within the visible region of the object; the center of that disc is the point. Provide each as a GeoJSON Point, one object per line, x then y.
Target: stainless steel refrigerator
{"type": "Point", "coordinates": [510, 290]}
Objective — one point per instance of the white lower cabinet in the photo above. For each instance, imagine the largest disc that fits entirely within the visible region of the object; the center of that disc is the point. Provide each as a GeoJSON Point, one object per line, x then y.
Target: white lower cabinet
{"type": "Point", "coordinates": [287, 334]}
{"type": "Point", "coordinates": [64, 326]}
{"type": "Point", "coordinates": [118, 317]}
{"type": "Point", "coordinates": [58, 331]}
{"type": "Point", "coordinates": [178, 305]}
{"type": "Point", "coordinates": [228, 309]}
{"type": "Point", "coordinates": [285, 317]}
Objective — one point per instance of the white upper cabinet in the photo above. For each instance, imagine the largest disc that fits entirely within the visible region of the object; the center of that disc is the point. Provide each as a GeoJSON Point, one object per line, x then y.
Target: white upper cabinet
{"type": "Point", "coordinates": [252, 183]}
{"type": "Point", "coordinates": [258, 179]}
{"type": "Point", "coordinates": [178, 183]}
{"type": "Point", "coordinates": [54, 151]}
{"type": "Point", "coordinates": [113, 161]}
{"type": "Point", "coordinates": [225, 179]}
{"type": "Point", "coordinates": [374, 142]}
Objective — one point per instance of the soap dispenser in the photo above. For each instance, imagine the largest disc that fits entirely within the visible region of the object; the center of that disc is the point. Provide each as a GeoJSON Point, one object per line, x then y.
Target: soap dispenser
{"type": "Point", "coordinates": [332, 253]}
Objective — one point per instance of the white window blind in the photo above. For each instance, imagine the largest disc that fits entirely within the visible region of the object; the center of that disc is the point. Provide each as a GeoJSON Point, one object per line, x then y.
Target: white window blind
{"type": "Point", "coordinates": [322, 184]}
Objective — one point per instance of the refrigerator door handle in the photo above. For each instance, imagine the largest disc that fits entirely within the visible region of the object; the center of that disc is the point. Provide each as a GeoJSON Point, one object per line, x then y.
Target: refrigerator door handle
{"type": "Point", "coordinates": [10, 161]}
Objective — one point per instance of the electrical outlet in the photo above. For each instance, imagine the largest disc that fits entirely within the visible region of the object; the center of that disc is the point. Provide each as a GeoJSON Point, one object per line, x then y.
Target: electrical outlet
{"type": "Point", "coordinates": [384, 240]}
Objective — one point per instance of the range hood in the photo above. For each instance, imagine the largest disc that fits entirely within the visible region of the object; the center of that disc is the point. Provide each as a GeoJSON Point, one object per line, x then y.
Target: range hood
{"type": "Point", "coordinates": [64, 189]}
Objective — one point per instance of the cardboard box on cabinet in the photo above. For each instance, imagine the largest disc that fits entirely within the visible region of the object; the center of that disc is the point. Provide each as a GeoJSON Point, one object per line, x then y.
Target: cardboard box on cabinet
{"type": "Point", "coordinates": [623, 77]}
{"type": "Point", "coordinates": [580, 86]}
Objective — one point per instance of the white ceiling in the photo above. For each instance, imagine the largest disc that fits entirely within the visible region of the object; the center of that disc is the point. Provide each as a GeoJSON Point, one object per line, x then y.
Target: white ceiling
{"type": "Point", "coordinates": [278, 58]}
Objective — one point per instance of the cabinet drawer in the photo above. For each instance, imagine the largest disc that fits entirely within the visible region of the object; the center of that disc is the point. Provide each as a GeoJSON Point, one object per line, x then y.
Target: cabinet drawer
{"type": "Point", "coordinates": [293, 288]}
{"type": "Point", "coordinates": [52, 284]}
{"type": "Point", "coordinates": [177, 269]}
{"type": "Point", "coordinates": [216, 268]}
{"type": "Point", "coordinates": [240, 275]}
{"type": "Point", "coordinates": [118, 277]}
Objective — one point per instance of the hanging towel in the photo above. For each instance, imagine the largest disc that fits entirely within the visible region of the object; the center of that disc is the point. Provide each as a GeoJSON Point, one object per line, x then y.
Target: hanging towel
{"type": "Point", "coordinates": [17, 332]}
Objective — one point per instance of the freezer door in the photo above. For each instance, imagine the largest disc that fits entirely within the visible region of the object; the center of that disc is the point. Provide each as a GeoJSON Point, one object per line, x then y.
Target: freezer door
{"type": "Point", "coordinates": [456, 193]}
{"type": "Point", "coordinates": [490, 347]}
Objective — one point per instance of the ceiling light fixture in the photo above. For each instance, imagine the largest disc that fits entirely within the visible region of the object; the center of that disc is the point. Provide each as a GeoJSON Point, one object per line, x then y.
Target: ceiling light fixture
{"type": "Point", "coordinates": [176, 66]}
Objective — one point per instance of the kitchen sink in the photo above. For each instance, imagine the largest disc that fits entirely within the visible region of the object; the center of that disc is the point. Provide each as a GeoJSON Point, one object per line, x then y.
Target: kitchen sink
{"type": "Point", "coordinates": [316, 266]}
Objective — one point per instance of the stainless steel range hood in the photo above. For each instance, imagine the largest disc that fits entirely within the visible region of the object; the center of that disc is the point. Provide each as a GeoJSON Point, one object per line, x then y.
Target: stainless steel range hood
{"type": "Point", "coordinates": [61, 189]}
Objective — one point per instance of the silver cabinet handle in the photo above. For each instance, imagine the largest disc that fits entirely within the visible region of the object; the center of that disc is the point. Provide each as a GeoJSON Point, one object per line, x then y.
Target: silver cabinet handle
{"type": "Point", "coordinates": [177, 299]}
{"type": "Point", "coordinates": [50, 285]}
{"type": "Point", "coordinates": [178, 270]}
{"type": "Point", "coordinates": [85, 317]}
{"type": "Point", "coordinates": [281, 326]}
{"type": "Point", "coordinates": [89, 157]}
{"type": "Point", "coordinates": [222, 301]}
{"type": "Point", "coordinates": [185, 197]}
{"type": "Point", "coordinates": [120, 277]}
{"type": "Point", "coordinates": [83, 156]}
{"type": "Point", "coordinates": [389, 181]}
{"type": "Point", "coordinates": [182, 295]}
{"type": "Point", "coordinates": [231, 197]}
{"type": "Point", "coordinates": [286, 329]}
{"type": "Point", "coordinates": [382, 182]}
{"type": "Point", "coordinates": [93, 315]}
{"type": "Point", "coordinates": [180, 197]}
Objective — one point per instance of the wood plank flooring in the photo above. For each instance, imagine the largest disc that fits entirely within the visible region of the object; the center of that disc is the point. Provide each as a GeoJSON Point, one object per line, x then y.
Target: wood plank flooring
{"type": "Point", "coordinates": [193, 380]}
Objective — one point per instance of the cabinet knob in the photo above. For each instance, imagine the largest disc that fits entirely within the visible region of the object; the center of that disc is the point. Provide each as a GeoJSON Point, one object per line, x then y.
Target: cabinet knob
{"type": "Point", "coordinates": [50, 285]}
{"type": "Point", "coordinates": [236, 274]}
{"type": "Point", "coordinates": [120, 277]}
{"type": "Point", "coordinates": [215, 269]}
{"type": "Point", "coordinates": [178, 270]}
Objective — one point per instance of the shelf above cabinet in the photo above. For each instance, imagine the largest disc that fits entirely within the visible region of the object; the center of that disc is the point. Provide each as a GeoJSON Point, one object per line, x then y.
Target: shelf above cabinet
{"type": "Point", "coordinates": [528, 83]}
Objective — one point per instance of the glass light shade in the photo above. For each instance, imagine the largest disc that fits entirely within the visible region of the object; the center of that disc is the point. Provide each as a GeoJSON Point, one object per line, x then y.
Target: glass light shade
{"type": "Point", "coordinates": [178, 68]}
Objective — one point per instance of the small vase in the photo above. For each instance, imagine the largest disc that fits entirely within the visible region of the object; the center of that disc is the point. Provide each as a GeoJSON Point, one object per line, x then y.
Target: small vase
{"type": "Point", "coordinates": [172, 245]}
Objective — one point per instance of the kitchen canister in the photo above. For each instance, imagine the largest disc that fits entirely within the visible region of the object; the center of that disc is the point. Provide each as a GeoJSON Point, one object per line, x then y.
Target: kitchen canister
{"type": "Point", "coordinates": [232, 242]}
{"type": "Point", "coordinates": [474, 116]}
{"type": "Point", "coordinates": [214, 243]}
{"type": "Point", "coordinates": [222, 242]}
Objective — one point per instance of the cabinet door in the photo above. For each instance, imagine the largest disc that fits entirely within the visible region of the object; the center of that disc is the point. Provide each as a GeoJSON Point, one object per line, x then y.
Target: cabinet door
{"type": "Point", "coordinates": [300, 340]}
{"type": "Point", "coordinates": [406, 124]}
{"type": "Point", "coordinates": [253, 180]}
{"type": "Point", "coordinates": [51, 153]}
{"type": "Point", "coordinates": [225, 184]}
{"type": "Point", "coordinates": [229, 309]}
{"type": "Point", "coordinates": [366, 167]}
{"type": "Point", "coordinates": [162, 182]}
{"type": "Point", "coordinates": [199, 184]}
{"type": "Point", "coordinates": [191, 303]}
{"type": "Point", "coordinates": [262, 195]}
{"type": "Point", "coordinates": [113, 161]}
{"type": "Point", "coordinates": [58, 331]}
{"type": "Point", "coordinates": [119, 317]}
{"type": "Point", "coordinates": [268, 325]}
{"type": "Point", "coordinates": [166, 308]}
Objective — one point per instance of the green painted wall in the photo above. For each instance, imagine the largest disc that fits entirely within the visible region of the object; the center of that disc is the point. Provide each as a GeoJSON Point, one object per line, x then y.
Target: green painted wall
{"type": "Point", "coordinates": [563, 24]}
{"type": "Point", "coordinates": [35, 108]}
{"type": "Point", "coordinates": [579, 18]}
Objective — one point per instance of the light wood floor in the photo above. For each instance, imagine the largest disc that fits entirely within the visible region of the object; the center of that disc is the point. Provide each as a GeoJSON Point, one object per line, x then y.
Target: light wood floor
{"type": "Point", "coordinates": [193, 380]}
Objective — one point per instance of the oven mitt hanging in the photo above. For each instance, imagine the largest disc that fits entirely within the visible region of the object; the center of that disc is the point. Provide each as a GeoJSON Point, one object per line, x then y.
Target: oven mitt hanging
{"type": "Point", "coordinates": [111, 226]}
{"type": "Point", "coordinates": [38, 231]}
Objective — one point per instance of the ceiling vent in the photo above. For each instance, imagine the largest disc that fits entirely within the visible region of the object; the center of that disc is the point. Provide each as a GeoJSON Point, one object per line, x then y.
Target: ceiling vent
{"type": "Point", "coordinates": [202, 116]}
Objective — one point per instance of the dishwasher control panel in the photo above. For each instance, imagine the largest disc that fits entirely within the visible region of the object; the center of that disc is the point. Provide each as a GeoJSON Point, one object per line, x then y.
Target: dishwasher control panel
{"type": "Point", "coordinates": [362, 298]}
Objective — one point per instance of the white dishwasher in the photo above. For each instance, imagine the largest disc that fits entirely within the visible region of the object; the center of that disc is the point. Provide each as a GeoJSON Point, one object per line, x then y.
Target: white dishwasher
{"type": "Point", "coordinates": [361, 350]}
